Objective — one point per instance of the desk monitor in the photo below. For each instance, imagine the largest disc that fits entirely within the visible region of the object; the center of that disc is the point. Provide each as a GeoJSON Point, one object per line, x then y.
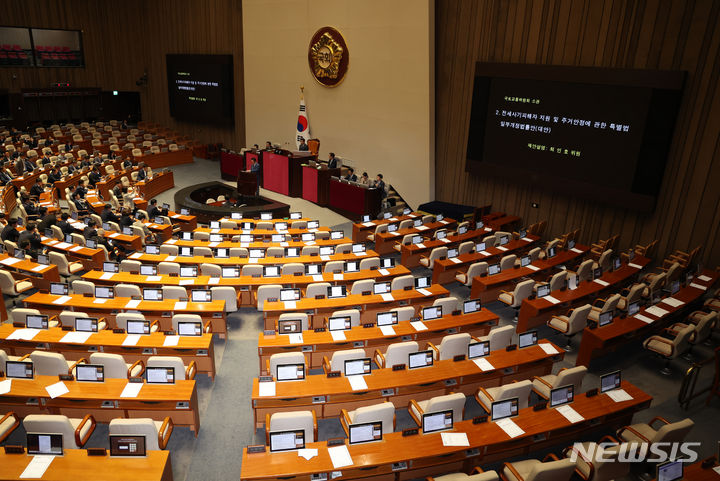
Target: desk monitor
{"type": "Point", "coordinates": [287, 440]}
{"type": "Point", "coordinates": [138, 327]}
{"type": "Point", "coordinates": [673, 287]}
{"type": "Point", "coordinates": [201, 295]}
{"type": "Point", "coordinates": [354, 367]}
{"type": "Point", "coordinates": [73, 216]}
{"type": "Point", "coordinates": [392, 227]}
{"type": "Point", "coordinates": [148, 270]}
{"type": "Point", "coordinates": [35, 321]}
{"type": "Point", "coordinates": [189, 328]}
{"type": "Point", "coordinates": [44, 444]}
{"type": "Point", "coordinates": [90, 243]}
{"type": "Point", "coordinates": [417, 239]}
{"type": "Point", "coordinates": [339, 323]}
{"type": "Point", "coordinates": [247, 225]}
{"type": "Point", "coordinates": [188, 271]}
{"type": "Point", "coordinates": [184, 211]}
{"type": "Point", "coordinates": [336, 234]}
{"type": "Point", "coordinates": [216, 237]}
{"type": "Point", "coordinates": [280, 226]}
{"type": "Point", "coordinates": [605, 318]}
{"type": "Point", "coordinates": [479, 225]}
{"type": "Point", "coordinates": [381, 287]}
{"type": "Point", "coordinates": [86, 324]}
{"type": "Point", "coordinates": [19, 369]}
{"type": "Point", "coordinates": [387, 262]}
{"type": "Point", "coordinates": [312, 269]}
{"type": "Point", "coordinates": [43, 259]}
{"type": "Point", "coordinates": [422, 282]}
{"type": "Point", "coordinates": [389, 318]}
{"type": "Point", "coordinates": [473, 305]}
{"type": "Point", "coordinates": [152, 249]}
{"type": "Point", "coordinates": [127, 446]}
{"type": "Point", "coordinates": [493, 269]}
{"type": "Point", "coordinates": [525, 261]}
{"type": "Point", "coordinates": [247, 238]}
{"type": "Point", "coordinates": [165, 206]}
{"type": "Point", "coordinates": [670, 471]}
{"type": "Point", "coordinates": [365, 432]}
{"type": "Point", "coordinates": [365, 218]}
{"type": "Point", "coordinates": [597, 273]}
{"type": "Point", "coordinates": [633, 308]}
{"type": "Point", "coordinates": [112, 267]}
{"type": "Point", "coordinates": [90, 373]}
{"type": "Point", "coordinates": [214, 224]}
{"type": "Point", "coordinates": [351, 266]}
{"type": "Point", "coordinates": [561, 395]}
{"type": "Point", "coordinates": [522, 233]}
{"type": "Point", "coordinates": [616, 262]}
{"type": "Point", "coordinates": [257, 253]}
{"type": "Point", "coordinates": [105, 226]}
{"type": "Point", "coordinates": [504, 409]}
{"type": "Point", "coordinates": [441, 234]}
{"type": "Point", "coordinates": [432, 312]}
{"type": "Point", "coordinates": [462, 229]}
{"type": "Point", "coordinates": [104, 292]}
{"type": "Point", "coordinates": [265, 215]}
{"type": "Point", "coordinates": [479, 247]}
{"type": "Point", "coordinates": [19, 254]}
{"type": "Point", "coordinates": [452, 252]}
{"type": "Point", "coordinates": [222, 253]}
{"type": "Point", "coordinates": [58, 289]}
{"type": "Point", "coordinates": [289, 372]}
{"type": "Point", "coordinates": [417, 222]}
{"type": "Point", "coordinates": [543, 290]}
{"type": "Point", "coordinates": [478, 349]}
{"type": "Point", "coordinates": [336, 292]}
{"type": "Point", "coordinates": [313, 224]}
{"type": "Point", "coordinates": [406, 211]}
{"type": "Point", "coordinates": [49, 232]}
{"type": "Point", "coordinates": [572, 282]}
{"type": "Point", "coordinates": [186, 251]}
{"type": "Point", "coordinates": [307, 236]}
{"type": "Point", "coordinates": [292, 252]}
{"type": "Point", "coordinates": [438, 421]}
{"type": "Point", "coordinates": [289, 326]}
{"type": "Point", "coordinates": [289, 294]}
{"type": "Point", "coordinates": [186, 236]}
{"type": "Point", "coordinates": [504, 239]}
{"type": "Point", "coordinates": [160, 375]}
{"type": "Point", "coordinates": [420, 359]}
{"type": "Point", "coordinates": [235, 215]}
{"type": "Point", "coordinates": [271, 271]}
{"type": "Point", "coordinates": [127, 231]}
{"type": "Point", "coordinates": [527, 339]}
{"type": "Point", "coordinates": [230, 271]}
{"type": "Point", "coordinates": [610, 381]}
{"type": "Point", "coordinates": [387, 215]}
{"type": "Point", "coordinates": [295, 215]}
{"type": "Point", "coordinates": [439, 217]}
{"type": "Point", "coordinates": [326, 250]}
{"type": "Point", "coordinates": [277, 238]}
{"type": "Point", "coordinates": [152, 294]}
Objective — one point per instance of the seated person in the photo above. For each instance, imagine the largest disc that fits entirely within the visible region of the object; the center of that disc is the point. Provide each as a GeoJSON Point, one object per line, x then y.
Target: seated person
{"type": "Point", "coordinates": [94, 176]}
{"type": "Point", "coordinates": [37, 188]}
{"type": "Point", "coordinates": [80, 204]}
{"type": "Point", "coordinates": [154, 210]}
{"type": "Point", "coordinates": [126, 219]}
{"type": "Point", "coordinates": [127, 163]}
{"type": "Point", "coordinates": [303, 147]}
{"type": "Point", "coordinates": [142, 173]}
{"type": "Point", "coordinates": [140, 222]}
{"type": "Point", "coordinates": [81, 190]}
{"type": "Point", "coordinates": [46, 220]}
{"type": "Point", "coordinates": [54, 175]}
{"type": "Point", "coordinates": [10, 231]}
{"type": "Point", "coordinates": [107, 215]}
{"type": "Point", "coordinates": [30, 239]}
{"type": "Point", "coordinates": [31, 208]}
{"type": "Point", "coordinates": [64, 224]}
{"type": "Point", "coordinates": [351, 175]}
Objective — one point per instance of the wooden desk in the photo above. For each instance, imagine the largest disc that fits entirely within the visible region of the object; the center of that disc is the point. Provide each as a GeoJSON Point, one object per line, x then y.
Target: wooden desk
{"type": "Point", "coordinates": [9, 199]}
{"type": "Point", "coordinates": [40, 275]}
{"type": "Point", "coordinates": [154, 401]}
{"type": "Point", "coordinates": [258, 244]}
{"type": "Point", "coordinates": [361, 230]}
{"type": "Point", "coordinates": [160, 182]}
{"type": "Point", "coordinates": [259, 232]}
{"type": "Point", "coordinates": [161, 310]}
{"type": "Point", "coordinates": [76, 464]}
{"type": "Point", "coordinates": [190, 348]}
{"type": "Point", "coordinates": [163, 232]}
{"type": "Point", "coordinates": [488, 288]}
{"type": "Point", "coordinates": [282, 171]}
{"type": "Point", "coordinates": [444, 270]}
{"type": "Point", "coordinates": [385, 241]}
{"type": "Point", "coordinates": [354, 201]}
{"type": "Point", "coordinates": [316, 183]}
{"type": "Point", "coordinates": [695, 472]}
{"type": "Point", "coordinates": [369, 306]}
{"type": "Point", "coordinates": [410, 254]}
{"type": "Point", "coordinates": [399, 387]}
{"type": "Point", "coordinates": [166, 159]}
{"type": "Point", "coordinates": [604, 340]}
{"type": "Point", "coordinates": [131, 242]}
{"type": "Point", "coordinates": [104, 186]}
{"type": "Point", "coordinates": [315, 345]}
{"type": "Point", "coordinates": [90, 258]}
{"type": "Point", "coordinates": [503, 222]}
{"type": "Point", "coordinates": [426, 456]}
{"type": "Point", "coordinates": [187, 223]}
{"type": "Point", "coordinates": [241, 261]}
{"type": "Point", "coordinates": [535, 312]}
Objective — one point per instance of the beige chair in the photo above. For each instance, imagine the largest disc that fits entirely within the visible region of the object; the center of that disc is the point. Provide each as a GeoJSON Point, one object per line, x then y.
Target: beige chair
{"type": "Point", "coordinates": [477, 474]}
{"type": "Point", "coordinates": [603, 305]}
{"type": "Point", "coordinates": [453, 401]}
{"type": "Point", "coordinates": [606, 464]}
{"type": "Point", "coordinates": [508, 262]}
{"type": "Point", "coordinates": [630, 295]}
{"type": "Point", "coordinates": [67, 319]}
{"type": "Point", "coordinates": [129, 265]}
{"type": "Point", "coordinates": [189, 318]}
{"type": "Point", "coordinates": [20, 314]}
{"type": "Point", "coordinates": [292, 421]}
{"type": "Point", "coordinates": [669, 349]}
{"type": "Point", "coordinates": [168, 268]}
{"type": "Point", "coordinates": [211, 270]}
{"type": "Point", "coordinates": [451, 345]}
{"type": "Point", "coordinates": [291, 268]}
{"type": "Point", "coordinates": [182, 372]}
{"type": "Point", "coordinates": [252, 271]}
{"type": "Point", "coordinates": [605, 260]}
{"type": "Point", "coordinates": [666, 433]}
{"type": "Point", "coordinates": [337, 361]}
{"type": "Point", "coordinates": [263, 293]}
{"type": "Point", "coordinates": [383, 412]}
{"type": "Point", "coordinates": [395, 354]}
{"type": "Point", "coordinates": [405, 313]}
{"type": "Point", "coordinates": [127, 290]}
{"type": "Point", "coordinates": [466, 248]}
{"type": "Point", "coordinates": [406, 240]}
{"type": "Point", "coordinates": [363, 285]}
{"type": "Point", "coordinates": [558, 280]}
{"type": "Point", "coordinates": [656, 284]}
{"type": "Point", "coordinates": [701, 318]}
{"type": "Point", "coordinates": [449, 304]}
{"type": "Point", "coordinates": [115, 366]}
{"type": "Point", "coordinates": [571, 323]}
{"type": "Point", "coordinates": [369, 263]}
{"type": "Point", "coordinates": [9, 422]}
{"type": "Point", "coordinates": [122, 318]}
{"type": "Point", "coordinates": [65, 268]}
{"type": "Point", "coordinates": [227, 294]}
{"type": "Point", "coordinates": [51, 363]}
{"type": "Point", "coordinates": [11, 287]}
{"type": "Point", "coordinates": [585, 271]}
{"type": "Point", "coordinates": [475, 270]}
{"type": "Point", "coordinates": [514, 299]}
{"type": "Point", "coordinates": [542, 385]}
{"type": "Point", "coordinates": [535, 470]}
{"type": "Point", "coordinates": [317, 289]}
{"type": "Point", "coordinates": [436, 254]}
{"type": "Point", "coordinates": [499, 337]}
{"type": "Point", "coordinates": [401, 282]}
{"type": "Point", "coordinates": [174, 292]}
{"type": "Point", "coordinates": [519, 389]}
{"type": "Point", "coordinates": [354, 315]}
{"type": "Point", "coordinates": [378, 230]}
{"type": "Point", "coordinates": [75, 432]}
{"type": "Point", "coordinates": [283, 358]}
{"type": "Point", "coordinates": [202, 251]}
{"type": "Point", "coordinates": [157, 433]}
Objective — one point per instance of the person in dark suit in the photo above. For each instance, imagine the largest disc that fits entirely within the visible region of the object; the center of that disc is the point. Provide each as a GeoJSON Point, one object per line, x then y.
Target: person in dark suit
{"type": "Point", "coordinates": [31, 208]}
{"type": "Point", "coordinates": [80, 204]}
{"type": "Point", "coordinates": [127, 163]}
{"type": "Point", "coordinates": [255, 167]}
{"type": "Point", "coordinates": [268, 145]}
{"type": "Point", "coordinates": [126, 219]}
{"type": "Point", "coordinates": [303, 146]}
{"type": "Point", "coordinates": [54, 175]}
{"type": "Point", "coordinates": [351, 175]}
{"type": "Point", "coordinates": [47, 220]}
{"type": "Point", "coordinates": [141, 175]}
{"type": "Point", "coordinates": [64, 224]}
{"type": "Point", "coordinates": [29, 167]}
{"type": "Point", "coordinates": [10, 231]}
{"type": "Point", "coordinates": [380, 184]}
{"type": "Point", "coordinates": [154, 210]}
{"type": "Point", "coordinates": [107, 215]}
{"type": "Point", "coordinates": [80, 189]}
{"type": "Point", "coordinates": [37, 188]}
{"type": "Point", "coordinates": [19, 167]}
{"type": "Point", "coordinates": [95, 176]}
{"type": "Point", "coordinates": [5, 178]}
{"type": "Point", "coordinates": [332, 161]}
{"type": "Point", "coordinates": [31, 236]}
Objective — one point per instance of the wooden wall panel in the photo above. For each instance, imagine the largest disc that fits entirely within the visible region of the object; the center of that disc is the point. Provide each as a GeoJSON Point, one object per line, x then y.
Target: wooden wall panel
{"type": "Point", "coordinates": [641, 34]}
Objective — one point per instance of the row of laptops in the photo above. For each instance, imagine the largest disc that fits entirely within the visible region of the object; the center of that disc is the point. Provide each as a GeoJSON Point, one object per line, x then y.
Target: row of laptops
{"type": "Point", "coordinates": [121, 445]}
{"type": "Point", "coordinates": [278, 226]}
{"type": "Point", "coordinates": [338, 292]}
{"type": "Point", "coordinates": [90, 324]}
{"type": "Point", "coordinates": [254, 253]}
{"type": "Point", "coordinates": [265, 216]}
{"type": "Point", "coordinates": [249, 238]}
{"type": "Point", "coordinates": [90, 372]}
{"type": "Point", "coordinates": [386, 215]}
{"type": "Point", "coordinates": [148, 293]}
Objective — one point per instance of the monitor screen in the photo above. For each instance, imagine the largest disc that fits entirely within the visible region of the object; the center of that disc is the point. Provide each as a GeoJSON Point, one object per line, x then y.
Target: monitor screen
{"type": "Point", "coordinates": [189, 328]}
{"type": "Point", "coordinates": [160, 375]}
{"type": "Point", "coordinates": [525, 261]}
{"type": "Point", "coordinates": [605, 318]}
{"type": "Point", "coordinates": [339, 323]}
{"type": "Point", "coordinates": [572, 281]}
{"type": "Point", "coordinates": [58, 289]}
{"type": "Point", "coordinates": [222, 252]}
{"type": "Point", "coordinates": [610, 381]}
{"type": "Point", "coordinates": [138, 327]}
{"type": "Point", "coordinates": [387, 318]}
{"type": "Point", "coordinates": [247, 225]}
{"type": "Point", "coordinates": [307, 236]}
{"type": "Point", "coordinates": [201, 295]}
{"type": "Point", "coordinates": [111, 267]}
{"type": "Point", "coordinates": [230, 271]}
{"type": "Point", "coordinates": [472, 305]}
{"type": "Point", "coordinates": [265, 215]}
{"type": "Point", "coordinates": [418, 239]}
{"type": "Point", "coordinates": [387, 262]}
{"type": "Point", "coordinates": [571, 244]}
{"type": "Point", "coordinates": [387, 215]}
{"type": "Point", "coordinates": [214, 224]}
{"type": "Point", "coordinates": [127, 230]}
{"type": "Point", "coordinates": [247, 238]}
{"type": "Point", "coordinates": [91, 244]}
{"type": "Point", "coordinates": [312, 269]}
{"type": "Point", "coordinates": [441, 234]}
{"type": "Point", "coordinates": [186, 251]}
{"type": "Point", "coordinates": [257, 253]}
{"type": "Point", "coordinates": [236, 215]}
{"type": "Point", "coordinates": [561, 395]}
{"type": "Point", "coordinates": [292, 252]}
{"type": "Point", "coordinates": [44, 444]}
{"type": "Point", "coordinates": [295, 215]}
{"type": "Point", "coordinates": [290, 372]}
{"type": "Point", "coordinates": [34, 321]}
{"type": "Point", "coordinates": [186, 236]}
{"type": "Point", "coordinates": [417, 222]}
{"type": "Point", "coordinates": [19, 369]}
{"type": "Point", "coordinates": [674, 287]}
{"type": "Point", "coordinates": [126, 445]}
{"type": "Point", "coordinates": [185, 212]}
{"type": "Point", "coordinates": [188, 271]}
{"type": "Point", "coordinates": [439, 421]}
{"type": "Point", "coordinates": [422, 282]}
{"type": "Point", "coordinates": [326, 251]}
{"type": "Point", "coordinates": [335, 292]}
{"type": "Point", "coordinates": [289, 294]}
{"type": "Point", "coordinates": [420, 359]}
{"type": "Point", "coordinates": [478, 349]}
{"type": "Point", "coordinates": [43, 259]}
{"type": "Point", "coordinates": [354, 367]}
{"type": "Point", "coordinates": [104, 292]}
{"type": "Point", "coordinates": [543, 290]}
{"type": "Point", "coordinates": [289, 326]}
{"type": "Point", "coordinates": [271, 271]}
{"type": "Point", "coordinates": [462, 229]}
{"type": "Point", "coordinates": [86, 324]}
{"type": "Point", "coordinates": [69, 239]}
{"type": "Point", "coordinates": [281, 226]}
{"type": "Point", "coordinates": [277, 238]}
{"type": "Point", "coordinates": [19, 254]}
{"type": "Point", "coordinates": [633, 308]}
{"type": "Point", "coordinates": [439, 217]}
{"type": "Point", "coordinates": [337, 234]}
{"type": "Point", "coordinates": [152, 294]}
{"type": "Point", "coordinates": [597, 273]}
{"type": "Point", "coordinates": [551, 252]}
{"type": "Point", "coordinates": [365, 432]}
{"type": "Point", "coordinates": [352, 266]}
{"type": "Point", "coordinates": [148, 269]}
{"type": "Point", "coordinates": [216, 237]}
{"type": "Point", "coordinates": [166, 206]}
{"type": "Point", "coordinates": [90, 373]}
{"type": "Point", "coordinates": [365, 218]}
{"type": "Point", "coordinates": [479, 247]}
{"type": "Point", "coordinates": [670, 471]}
{"type": "Point", "coordinates": [381, 287]}
{"type": "Point", "coordinates": [493, 269]}
{"type": "Point", "coordinates": [287, 440]}
{"type": "Point", "coordinates": [504, 240]}
{"type": "Point", "coordinates": [152, 249]}
{"type": "Point", "coordinates": [432, 312]}
{"type": "Point", "coordinates": [504, 409]}
{"type": "Point", "coordinates": [479, 224]}
{"type": "Point", "coordinates": [616, 263]}
{"type": "Point", "coordinates": [392, 227]}
{"type": "Point", "coordinates": [527, 339]}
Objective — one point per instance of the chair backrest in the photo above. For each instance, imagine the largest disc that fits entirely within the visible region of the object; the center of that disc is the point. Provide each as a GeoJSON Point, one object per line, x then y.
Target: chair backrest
{"type": "Point", "coordinates": [353, 313]}
{"type": "Point", "coordinates": [520, 390]}
{"type": "Point", "coordinates": [122, 318]}
{"type": "Point", "coordinates": [635, 293]}
{"type": "Point", "coordinates": [522, 291]}
{"type": "Point", "coordinates": [573, 375]}
{"type": "Point", "coordinates": [384, 412]}
{"type": "Point", "coordinates": [114, 365]}
{"type": "Point", "coordinates": [508, 262]}
{"type": "Point", "coordinates": [557, 280]}
{"type": "Point", "coordinates": [705, 326]}
{"type": "Point", "coordinates": [500, 337]}
{"type": "Point", "coordinates": [673, 272]}
{"type": "Point", "coordinates": [400, 282]}
{"type": "Point", "coordinates": [184, 318]}
{"type": "Point", "coordinates": [202, 251]}
{"type": "Point", "coordinates": [405, 313]}
{"type": "Point", "coordinates": [252, 270]}
{"type": "Point", "coordinates": [476, 269]}
{"type": "Point", "coordinates": [405, 224]}
{"type": "Point", "coordinates": [560, 470]}
{"type": "Point", "coordinates": [453, 345]}
{"type": "Point", "coordinates": [61, 261]}
{"type": "Point", "coordinates": [578, 319]}
{"type": "Point", "coordinates": [137, 427]}
{"type": "Point", "coordinates": [466, 247]}
{"type": "Point", "coordinates": [48, 363]}
{"type": "Point", "coordinates": [129, 265]}
{"type": "Point", "coordinates": [398, 353]}
{"type": "Point", "coordinates": [285, 358]}
{"type": "Point", "coordinates": [611, 303]}
{"type": "Point", "coordinates": [333, 266]}
{"type": "Point", "coordinates": [317, 289]}
{"type": "Point", "coordinates": [607, 465]}
{"type": "Point", "coordinates": [52, 423]}
{"type": "Point", "coordinates": [203, 236]}
{"type": "Point", "coordinates": [127, 290]}
{"type": "Point", "coordinates": [292, 267]}
{"type": "Point", "coordinates": [584, 272]}
{"type": "Point", "coordinates": [369, 263]}
{"type": "Point", "coordinates": [682, 340]}
{"type": "Point", "coordinates": [175, 362]}
{"type": "Point", "coordinates": [490, 241]}
{"type": "Point", "coordinates": [435, 254]}
{"type": "Point", "coordinates": [337, 362]}
{"type": "Point", "coordinates": [167, 268]}
{"type": "Point", "coordinates": [174, 292]}
{"type": "Point", "coordinates": [363, 285]}
{"type": "Point", "coordinates": [343, 248]}
{"type": "Point", "coordinates": [67, 318]}
{"type": "Point", "coordinates": [266, 292]}
{"type": "Point", "coordinates": [212, 270]}
{"type": "Point", "coordinates": [657, 282]}
{"type": "Point", "coordinates": [83, 287]}
{"type": "Point", "coordinates": [19, 315]}
{"type": "Point", "coordinates": [673, 432]}
{"type": "Point", "coordinates": [291, 421]}
{"type": "Point", "coordinates": [310, 250]}
{"type": "Point", "coordinates": [169, 250]}
{"type": "Point", "coordinates": [227, 294]}
{"type": "Point", "coordinates": [7, 282]}
{"type": "Point", "coordinates": [455, 401]}
{"type": "Point", "coordinates": [449, 304]}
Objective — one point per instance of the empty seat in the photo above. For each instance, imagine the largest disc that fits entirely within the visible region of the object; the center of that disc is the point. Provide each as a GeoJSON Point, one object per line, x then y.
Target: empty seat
{"type": "Point", "coordinates": [570, 324]}
{"type": "Point", "coordinates": [182, 372]}
{"type": "Point", "coordinates": [292, 421]}
{"type": "Point", "coordinates": [337, 361]}
{"type": "Point", "coordinates": [383, 412]}
{"type": "Point", "coordinates": [401, 282]}
{"type": "Point", "coordinates": [75, 432]}
{"type": "Point", "coordinates": [451, 345]}
{"type": "Point", "coordinates": [542, 385]}
{"type": "Point", "coordinates": [157, 433]}
{"type": "Point", "coordinates": [520, 389]}
{"type": "Point", "coordinates": [227, 294]}
{"type": "Point", "coordinates": [476, 269]}
{"type": "Point", "coordinates": [283, 358]}
{"type": "Point", "coordinates": [115, 366]}
{"type": "Point", "coordinates": [270, 291]}
{"type": "Point", "coordinates": [454, 402]}
{"type": "Point", "coordinates": [499, 337]}
{"type": "Point", "coordinates": [395, 354]}
{"type": "Point", "coordinates": [535, 470]}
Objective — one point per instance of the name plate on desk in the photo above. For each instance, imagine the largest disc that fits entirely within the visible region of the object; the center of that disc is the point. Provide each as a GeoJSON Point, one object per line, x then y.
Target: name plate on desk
{"type": "Point", "coordinates": [256, 448]}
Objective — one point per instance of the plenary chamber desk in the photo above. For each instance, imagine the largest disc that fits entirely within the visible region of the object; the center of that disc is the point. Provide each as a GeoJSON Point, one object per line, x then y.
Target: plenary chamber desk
{"type": "Point", "coordinates": [352, 199]}
{"type": "Point", "coordinates": [282, 171]}
{"type": "Point", "coordinates": [316, 183]}
{"type": "Point", "coordinates": [398, 458]}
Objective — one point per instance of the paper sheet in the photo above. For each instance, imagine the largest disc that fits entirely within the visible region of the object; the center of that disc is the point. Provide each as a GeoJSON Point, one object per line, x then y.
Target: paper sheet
{"type": "Point", "coordinates": [510, 428]}
{"type": "Point", "coordinates": [99, 300]}
{"type": "Point", "coordinates": [576, 250]}
{"type": "Point", "coordinates": [636, 266]}
{"type": "Point", "coordinates": [548, 348]}
{"type": "Point", "coordinates": [656, 311]}
{"type": "Point", "coordinates": [570, 414]}
{"type": "Point", "coordinates": [526, 239]}
{"type": "Point", "coordinates": [132, 389]}
{"type": "Point", "coordinates": [387, 297]}
{"type": "Point", "coordinates": [57, 389]}
{"type": "Point", "coordinates": [266, 389]}
{"type": "Point", "coordinates": [76, 248]}
{"type": "Point", "coordinates": [387, 330]}
{"type": "Point", "coordinates": [671, 301]}
{"type": "Point", "coordinates": [455, 260]}
{"type": "Point", "coordinates": [9, 261]}
{"type": "Point", "coordinates": [424, 292]}
{"type": "Point", "coordinates": [324, 258]}
{"type": "Point", "coordinates": [418, 325]}
{"type": "Point", "coordinates": [170, 258]}
{"type": "Point", "coordinates": [484, 253]}
{"type": "Point", "coordinates": [23, 335]}
{"type": "Point", "coordinates": [317, 277]}
{"type": "Point", "coordinates": [213, 280]}
{"type": "Point", "coordinates": [368, 224]}
{"type": "Point", "coordinates": [186, 282]}
{"type": "Point", "coordinates": [307, 453]}
{"type": "Point", "coordinates": [644, 319]}
{"type": "Point", "coordinates": [5, 386]}
{"type": "Point", "coordinates": [338, 277]}
{"type": "Point", "coordinates": [619, 395]}
{"type": "Point", "coordinates": [61, 300]}
{"type": "Point", "coordinates": [132, 304]}
{"type": "Point", "coordinates": [502, 248]}
{"type": "Point", "coordinates": [107, 276]}
{"type": "Point", "coordinates": [704, 278]}
{"type": "Point", "coordinates": [131, 340]}
{"type": "Point", "coordinates": [445, 240]}
{"type": "Point", "coordinates": [295, 338]}
{"type": "Point", "coordinates": [698, 286]}
{"type": "Point", "coordinates": [551, 299]}
{"type": "Point", "coordinates": [153, 278]}
{"type": "Point", "coordinates": [383, 272]}
{"type": "Point", "coordinates": [36, 467]}
{"type": "Point", "coordinates": [532, 267]}
{"type": "Point", "coordinates": [338, 335]}
{"type": "Point", "coordinates": [455, 439]}
{"type": "Point", "coordinates": [601, 282]}
{"type": "Point", "coordinates": [290, 304]}
{"type": "Point", "coordinates": [180, 305]}
{"type": "Point", "coordinates": [422, 227]}
{"type": "Point", "coordinates": [76, 337]}
{"type": "Point", "coordinates": [483, 364]}
{"type": "Point", "coordinates": [39, 268]}
{"type": "Point", "coordinates": [420, 245]}
{"type": "Point", "coordinates": [136, 255]}
{"type": "Point", "coordinates": [171, 340]}
{"type": "Point", "coordinates": [357, 383]}
{"type": "Point", "coordinates": [171, 241]}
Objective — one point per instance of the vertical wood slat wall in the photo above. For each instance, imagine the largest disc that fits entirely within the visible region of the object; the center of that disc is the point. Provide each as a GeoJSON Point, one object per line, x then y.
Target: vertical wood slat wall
{"type": "Point", "coordinates": [123, 40]}
{"type": "Point", "coordinates": [639, 34]}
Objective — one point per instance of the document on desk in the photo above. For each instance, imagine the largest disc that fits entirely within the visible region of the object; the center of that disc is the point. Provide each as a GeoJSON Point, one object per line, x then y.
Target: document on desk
{"type": "Point", "coordinates": [153, 278]}
{"type": "Point", "coordinates": [551, 299]}
{"type": "Point", "coordinates": [644, 319]}
{"type": "Point", "coordinates": [445, 240]}
{"type": "Point", "coordinates": [23, 334]}
{"type": "Point", "coordinates": [484, 253]}
{"type": "Point", "coordinates": [424, 292]}
{"type": "Point", "coordinates": [324, 258]}
{"type": "Point", "coordinates": [422, 227]}
{"type": "Point", "coordinates": [310, 243]}
{"type": "Point", "coordinates": [418, 325]}
{"type": "Point", "coordinates": [76, 248]}
{"type": "Point", "coordinates": [636, 266]}
{"type": "Point", "coordinates": [131, 340]}
{"type": "Point", "coordinates": [671, 301]}
{"type": "Point", "coordinates": [576, 250]}
{"type": "Point", "coordinates": [171, 241]}
{"type": "Point", "coordinates": [455, 260]}
{"type": "Point", "coordinates": [619, 395]}
{"type": "Point", "coordinates": [132, 304]}
{"type": "Point", "coordinates": [360, 254]}
{"type": "Point", "coordinates": [570, 414]}
{"type": "Point", "coordinates": [548, 348]}
{"type": "Point", "coordinates": [76, 337]}
{"type": "Point", "coordinates": [387, 297]}
{"type": "Point", "coordinates": [63, 245]}
{"type": "Point", "coordinates": [387, 330]}
{"type": "Point", "coordinates": [284, 244]}
{"type": "Point", "coordinates": [368, 224]}
{"type": "Point", "coordinates": [180, 305]}
{"type": "Point", "coordinates": [698, 286]}
{"type": "Point", "coordinates": [704, 278]}
{"type": "Point", "coordinates": [213, 280]}
{"type": "Point", "coordinates": [420, 245]}
{"type": "Point", "coordinates": [510, 428]}
{"type": "Point", "coordinates": [136, 255]}
{"type": "Point", "coordinates": [170, 258]}
{"type": "Point", "coordinates": [383, 272]}
{"type": "Point", "coordinates": [532, 267]}
{"type": "Point", "coordinates": [455, 439]}
{"type": "Point", "coordinates": [39, 268]}
{"type": "Point", "coordinates": [57, 389]}
{"type": "Point", "coordinates": [106, 276]}
{"type": "Point", "coordinates": [656, 311]}
{"type": "Point", "coordinates": [132, 389]}
{"type": "Point", "coordinates": [357, 383]}
{"type": "Point", "coordinates": [601, 282]}
{"type": "Point", "coordinates": [171, 341]}
{"type": "Point", "coordinates": [9, 261]}
{"type": "Point", "coordinates": [266, 389]}
{"type": "Point", "coordinates": [501, 248]}
{"type": "Point", "coordinates": [5, 386]}
{"type": "Point", "coordinates": [61, 300]}
{"type": "Point", "coordinates": [295, 338]}
{"type": "Point", "coordinates": [338, 277]}
{"type": "Point", "coordinates": [338, 335]}
{"type": "Point", "coordinates": [483, 364]}
{"type": "Point", "coordinates": [186, 282]}
{"type": "Point", "coordinates": [317, 277]}
{"type": "Point", "coordinates": [307, 453]}
{"type": "Point", "coordinates": [36, 467]}
{"type": "Point", "coordinates": [99, 300]}
{"type": "Point", "coordinates": [290, 304]}
{"type": "Point", "coordinates": [213, 244]}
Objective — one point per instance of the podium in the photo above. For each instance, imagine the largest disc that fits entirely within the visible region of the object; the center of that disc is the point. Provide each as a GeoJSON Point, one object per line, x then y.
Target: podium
{"type": "Point", "coordinates": [354, 200]}
{"type": "Point", "coordinates": [247, 183]}
{"type": "Point", "coordinates": [316, 183]}
{"type": "Point", "coordinates": [282, 171]}
{"type": "Point", "coordinates": [230, 164]}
